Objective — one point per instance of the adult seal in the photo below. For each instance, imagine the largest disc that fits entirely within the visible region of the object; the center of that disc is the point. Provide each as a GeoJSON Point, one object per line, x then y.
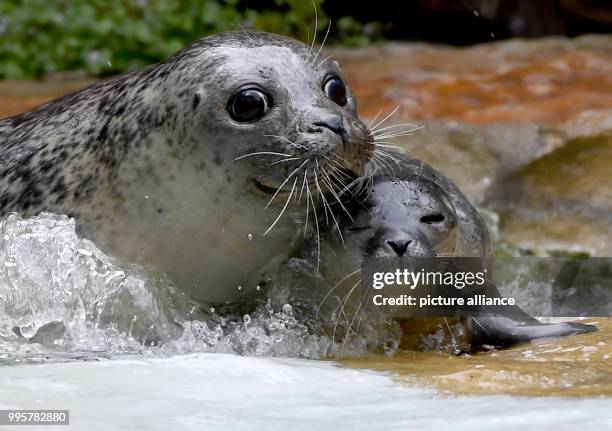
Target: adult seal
{"type": "Point", "coordinates": [202, 167]}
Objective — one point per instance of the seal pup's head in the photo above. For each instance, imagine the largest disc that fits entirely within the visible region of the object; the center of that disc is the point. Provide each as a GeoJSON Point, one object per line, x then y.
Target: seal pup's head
{"type": "Point", "coordinates": [410, 217]}
{"type": "Point", "coordinates": [285, 118]}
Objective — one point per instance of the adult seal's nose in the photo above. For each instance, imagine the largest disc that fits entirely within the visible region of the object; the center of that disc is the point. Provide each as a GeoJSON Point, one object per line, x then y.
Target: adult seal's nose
{"type": "Point", "coordinates": [399, 246]}
{"type": "Point", "coordinates": [334, 124]}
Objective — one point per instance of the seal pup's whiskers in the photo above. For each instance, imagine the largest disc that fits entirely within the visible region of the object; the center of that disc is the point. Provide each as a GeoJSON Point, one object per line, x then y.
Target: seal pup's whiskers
{"type": "Point", "coordinates": [350, 328]}
{"type": "Point", "coordinates": [450, 331]}
{"type": "Point", "coordinates": [344, 302]}
{"type": "Point", "coordinates": [363, 310]}
{"type": "Point", "coordinates": [335, 286]}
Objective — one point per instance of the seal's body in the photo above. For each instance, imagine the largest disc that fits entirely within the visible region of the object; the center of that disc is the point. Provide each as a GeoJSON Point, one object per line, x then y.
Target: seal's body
{"type": "Point", "coordinates": [184, 166]}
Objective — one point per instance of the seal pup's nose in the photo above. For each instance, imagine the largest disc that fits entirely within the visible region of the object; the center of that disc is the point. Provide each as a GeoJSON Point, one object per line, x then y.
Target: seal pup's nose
{"type": "Point", "coordinates": [399, 246]}
{"type": "Point", "coordinates": [332, 123]}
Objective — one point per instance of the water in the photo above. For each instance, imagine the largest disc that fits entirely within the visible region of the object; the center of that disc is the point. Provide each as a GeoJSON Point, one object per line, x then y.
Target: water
{"type": "Point", "coordinates": [230, 392]}
{"type": "Point", "coordinates": [123, 350]}
{"type": "Point", "coordinates": [62, 298]}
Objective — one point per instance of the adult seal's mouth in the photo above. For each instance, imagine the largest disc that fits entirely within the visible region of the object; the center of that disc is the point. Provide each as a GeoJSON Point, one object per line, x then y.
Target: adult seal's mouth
{"type": "Point", "coordinates": [323, 172]}
{"type": "Point", "coordinates": [269, 190]}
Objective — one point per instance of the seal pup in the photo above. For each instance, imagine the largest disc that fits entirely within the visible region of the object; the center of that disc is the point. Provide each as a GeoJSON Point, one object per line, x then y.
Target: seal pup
{"type": "Point", "coordinates": [411, 216]}
{"type": "Point", "coordinates": [202, 167]}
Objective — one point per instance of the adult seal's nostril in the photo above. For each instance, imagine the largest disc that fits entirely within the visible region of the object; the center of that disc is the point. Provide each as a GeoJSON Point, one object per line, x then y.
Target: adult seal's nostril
{"type": "Point", "coordinates": [399, 246]}
{"type": "Point", "coordinates": [334, 124]}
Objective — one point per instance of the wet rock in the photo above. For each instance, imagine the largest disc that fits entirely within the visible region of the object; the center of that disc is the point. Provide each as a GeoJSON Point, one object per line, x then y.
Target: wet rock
{"type": "Point", "coordinates": [561, 201]}
{"type": "Point", "coordinates": [543, 80]}
{"type": "Point", "coordinates": [21, 96]}
{"type": "Point", "coordinates": [521, 126]}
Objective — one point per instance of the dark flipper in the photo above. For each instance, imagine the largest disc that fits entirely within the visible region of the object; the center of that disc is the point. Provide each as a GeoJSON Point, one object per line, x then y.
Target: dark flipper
{"type": "Point", "coordinates": [505, 331]}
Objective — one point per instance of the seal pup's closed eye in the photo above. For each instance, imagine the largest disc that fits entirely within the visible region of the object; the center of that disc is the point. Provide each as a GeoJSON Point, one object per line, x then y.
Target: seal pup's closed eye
{"type": "Point", "coordinates": [203, 168]}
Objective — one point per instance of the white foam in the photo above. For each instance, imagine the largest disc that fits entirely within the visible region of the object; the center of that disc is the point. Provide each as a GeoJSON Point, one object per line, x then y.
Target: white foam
{"type": "Point", "coordinates": [229, 392]}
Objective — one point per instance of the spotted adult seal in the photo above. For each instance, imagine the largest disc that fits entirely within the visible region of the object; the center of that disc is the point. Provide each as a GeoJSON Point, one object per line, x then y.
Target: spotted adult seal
{"type": "Point", "coordinates": [415, 211]}
{"type": "Point", "coordinates": [192, 167]}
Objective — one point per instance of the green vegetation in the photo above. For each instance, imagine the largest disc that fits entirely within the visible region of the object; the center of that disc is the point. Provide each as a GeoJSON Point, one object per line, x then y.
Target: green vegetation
{"type": "Point", "coordinates": [38, 37]}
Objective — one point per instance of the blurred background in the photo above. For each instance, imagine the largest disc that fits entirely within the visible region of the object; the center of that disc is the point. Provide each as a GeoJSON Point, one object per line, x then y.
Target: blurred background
{"type": "Point", "coordinates": [39, 37]}
{"type": "Point", "coordinates": [516, 95]}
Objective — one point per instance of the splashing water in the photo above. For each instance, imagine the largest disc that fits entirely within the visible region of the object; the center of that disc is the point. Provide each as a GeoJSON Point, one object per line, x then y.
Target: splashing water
{"type": "Point", "coordinates": [62, 298]}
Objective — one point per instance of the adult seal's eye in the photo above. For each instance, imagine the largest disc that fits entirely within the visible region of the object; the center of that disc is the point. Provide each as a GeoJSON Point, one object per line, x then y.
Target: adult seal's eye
{"type": "Point", "coordinates": [334, 89]}
{"type": "Point", "coordinates": [248, 106]}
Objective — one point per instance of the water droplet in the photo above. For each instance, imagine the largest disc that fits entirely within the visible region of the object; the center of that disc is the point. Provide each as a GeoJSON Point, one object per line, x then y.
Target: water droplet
{"type": "Point", "coordinates": [246, 319]}
{"type": "Point", "coordinates": [250, 237]}
{"type": "Point", "coordinates": [146, 196]}
{"type": "Point", "coordinates": [212, 309]}
{"type": "Point", "coordinates": [287, 310]}
{"type": "Point", "coordinates": [239, 287]}
{"type": "Point", "coordinates": [258, 287]}
{"type": "Point", "coordinates": [269, 306]}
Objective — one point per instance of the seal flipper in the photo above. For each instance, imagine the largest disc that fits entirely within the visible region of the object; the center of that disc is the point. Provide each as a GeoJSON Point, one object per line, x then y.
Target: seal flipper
{"type": "Point", "coordinates": [515, 326]}
{"type": "Point", "coordinates": [505, 331]}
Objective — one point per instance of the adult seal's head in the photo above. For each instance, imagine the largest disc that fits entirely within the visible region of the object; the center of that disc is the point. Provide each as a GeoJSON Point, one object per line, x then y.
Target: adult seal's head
{"type": "Point", "coordinates": [202, 167]}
